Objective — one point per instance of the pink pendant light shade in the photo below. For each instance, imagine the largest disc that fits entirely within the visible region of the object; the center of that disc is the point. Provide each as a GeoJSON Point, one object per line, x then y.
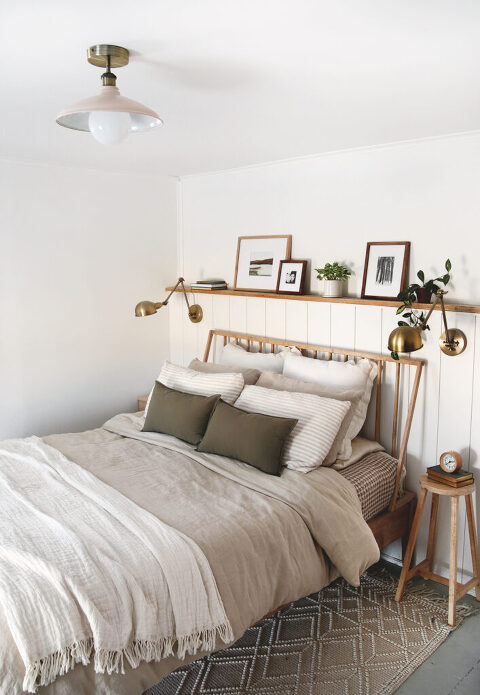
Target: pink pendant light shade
{"type": "Point", "coordinates": [109, 117]}
{"type": "Point", "coordinates": [110, 100]}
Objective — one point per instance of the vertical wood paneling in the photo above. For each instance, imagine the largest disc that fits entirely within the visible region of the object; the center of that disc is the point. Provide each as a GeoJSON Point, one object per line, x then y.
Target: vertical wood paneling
{"type": "Point", "coordinates": [256, 318]}
{"type": "Point", "coordinates": [368, 328]}
{"type": "Point", "coordinates": [473, 463]}
{"type": "Point", "coordinates": [191, 340]}
{"type": "Point", "coordinates": [275, 318]}
{"type": "Point", "coordinates": [319, 323]}
{"type": "Point", "coordinates": [220, 320]}
{"type": "Point", "coordinates": [342, 325]}
{"type": "Point", "coordinates": [238, 314]}
{"type": "Point", "coordinates": [206, 302]}
{"type": "Point", "coordinates": [456, 378]}
{"type": "Point", "coordinates": [175, 328]}
{"type": "Point", "coordinates": [296, 320]}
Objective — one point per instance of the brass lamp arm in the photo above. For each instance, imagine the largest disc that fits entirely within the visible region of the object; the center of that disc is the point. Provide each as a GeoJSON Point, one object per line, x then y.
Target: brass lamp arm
{"type": "Point", "coordinates": [146, 308]}
{"type": "Point", "coordinates": [424, 324]}
{"type": "Point", "coordinates": [439, 296]}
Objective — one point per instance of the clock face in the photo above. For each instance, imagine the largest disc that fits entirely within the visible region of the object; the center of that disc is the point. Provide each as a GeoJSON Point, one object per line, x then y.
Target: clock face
{"type": "Point", "coordinates": [451, 461]}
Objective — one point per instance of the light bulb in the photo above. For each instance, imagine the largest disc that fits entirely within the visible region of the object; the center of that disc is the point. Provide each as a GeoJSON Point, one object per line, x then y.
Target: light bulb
{"type": "Point", "coordinates": [109, 127]}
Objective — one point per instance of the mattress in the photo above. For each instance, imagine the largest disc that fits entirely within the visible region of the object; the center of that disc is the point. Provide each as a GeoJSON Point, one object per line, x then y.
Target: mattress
{"type": "Point", "coordinates": [373, 478]}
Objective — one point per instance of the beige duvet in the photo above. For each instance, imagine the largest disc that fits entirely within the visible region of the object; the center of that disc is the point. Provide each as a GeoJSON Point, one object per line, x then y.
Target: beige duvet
{"type": "Point", "coordinates": [268, 540]}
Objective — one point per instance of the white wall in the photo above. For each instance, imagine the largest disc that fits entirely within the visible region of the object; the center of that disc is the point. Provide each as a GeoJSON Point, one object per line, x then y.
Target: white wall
{"type": "Point", "coordinates": [78, 249]}
{"type": "Point", "coordinates": [425, 192]}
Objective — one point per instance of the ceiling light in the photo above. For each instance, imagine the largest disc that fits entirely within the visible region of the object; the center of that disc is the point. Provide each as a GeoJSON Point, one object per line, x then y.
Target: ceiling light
{"type": "Point", "coordinates": [109, 117]}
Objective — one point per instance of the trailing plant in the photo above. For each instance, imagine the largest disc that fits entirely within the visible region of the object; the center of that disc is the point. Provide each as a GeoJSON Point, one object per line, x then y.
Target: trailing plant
{"type": "Point", "coordinates": [410, 295]}
{"type": "Point", "coordinates": [333, 271]}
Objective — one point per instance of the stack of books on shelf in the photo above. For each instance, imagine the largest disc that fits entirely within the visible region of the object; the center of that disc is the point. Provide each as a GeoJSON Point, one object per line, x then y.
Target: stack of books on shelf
{"type": "Point", "coordinates": [456, 479]}
{"type": "Point", "coordinates": [209, 285]}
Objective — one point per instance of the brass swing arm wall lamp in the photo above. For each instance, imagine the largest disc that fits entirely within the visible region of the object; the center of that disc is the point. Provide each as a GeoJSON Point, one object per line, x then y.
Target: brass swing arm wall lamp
{"type": "Point", "coordinates": [147, 308]}
{"type": "Point", "coordinates": [452, 341]}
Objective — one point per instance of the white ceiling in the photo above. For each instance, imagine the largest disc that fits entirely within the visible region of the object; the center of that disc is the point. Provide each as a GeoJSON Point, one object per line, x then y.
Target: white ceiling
{"type": "Point", "coordinates": [240, 81]}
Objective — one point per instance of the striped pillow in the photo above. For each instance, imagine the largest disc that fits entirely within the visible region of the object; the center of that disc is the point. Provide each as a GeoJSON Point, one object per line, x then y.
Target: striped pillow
{"type": "Point", "coordinates": [319, 420]}
{"type": "Point", "coordinates": [229, 385]}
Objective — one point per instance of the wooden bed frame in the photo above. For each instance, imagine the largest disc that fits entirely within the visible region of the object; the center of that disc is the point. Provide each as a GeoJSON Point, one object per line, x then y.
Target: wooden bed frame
{"type": "Point", "coordinates": [396, 522]}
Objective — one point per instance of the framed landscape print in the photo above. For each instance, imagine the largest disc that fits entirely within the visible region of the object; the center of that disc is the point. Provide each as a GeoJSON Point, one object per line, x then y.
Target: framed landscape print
{"type": "Point", "coordinates": [385, 270]}
{"type": "Point", "coordinates": [291, 277]}
{"type": "Point", "coordinates": [258, 261]}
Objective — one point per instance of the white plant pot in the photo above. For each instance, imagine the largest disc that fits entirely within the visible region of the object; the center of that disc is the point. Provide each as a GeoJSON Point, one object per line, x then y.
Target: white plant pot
{"type": "Point", "coordinates": [333, 288]}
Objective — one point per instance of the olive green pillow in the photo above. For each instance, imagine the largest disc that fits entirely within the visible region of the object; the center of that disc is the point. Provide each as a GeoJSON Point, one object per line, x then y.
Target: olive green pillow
{"type": "Point", "coordinates": [184, 415]}
{"type": "Point", "coordinates": [250, 437]}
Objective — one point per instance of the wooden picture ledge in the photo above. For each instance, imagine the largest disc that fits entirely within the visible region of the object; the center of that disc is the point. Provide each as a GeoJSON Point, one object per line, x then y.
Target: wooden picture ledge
{"type": "Point", "coordinates": [463, 308]}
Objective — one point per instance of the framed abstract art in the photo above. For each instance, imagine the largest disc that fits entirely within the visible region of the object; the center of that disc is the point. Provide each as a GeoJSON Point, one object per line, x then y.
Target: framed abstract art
{"type": "Point", "coordinates": [385, 269]}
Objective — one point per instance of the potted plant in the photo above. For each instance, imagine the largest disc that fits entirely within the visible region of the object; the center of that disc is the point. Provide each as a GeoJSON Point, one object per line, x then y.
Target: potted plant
{"type": "Point", "coordinates": [334, 276]}
{"type": "Point", "coordinates": [423, 293]}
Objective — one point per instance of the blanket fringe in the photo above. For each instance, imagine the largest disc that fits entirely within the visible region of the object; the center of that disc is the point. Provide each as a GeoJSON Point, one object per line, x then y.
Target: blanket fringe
{"type": "Point", "coordinates": [46, 670]}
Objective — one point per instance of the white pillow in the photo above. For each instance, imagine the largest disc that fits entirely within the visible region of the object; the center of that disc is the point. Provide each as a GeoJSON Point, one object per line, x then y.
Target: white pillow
{"type": "Point", "coordinates": [319, 420]}
{"type": "Point", "coordinates": [234, 355]}
{"type": "Point", "coordinates": [348, 375]}
{"type": "Point", "coordinates": [229, 385]}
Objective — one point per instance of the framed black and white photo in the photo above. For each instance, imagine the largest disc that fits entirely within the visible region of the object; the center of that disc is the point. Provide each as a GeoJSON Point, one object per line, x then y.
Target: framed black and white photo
{"type": "Point", "coordinates": [258, 261]}
{"type": "Point", "coordinates": [291, 277]}
{"type": "Point", "coordinates": [385, 270]}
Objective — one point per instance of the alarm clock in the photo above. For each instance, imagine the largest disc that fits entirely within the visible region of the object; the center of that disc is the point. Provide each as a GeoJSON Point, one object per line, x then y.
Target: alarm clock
{"type": "Point", "coordinates": [451, 461]}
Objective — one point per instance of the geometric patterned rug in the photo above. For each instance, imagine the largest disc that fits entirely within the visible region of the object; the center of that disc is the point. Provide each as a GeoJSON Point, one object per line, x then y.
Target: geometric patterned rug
{"type": "Point", "coordinates": [341, 640]}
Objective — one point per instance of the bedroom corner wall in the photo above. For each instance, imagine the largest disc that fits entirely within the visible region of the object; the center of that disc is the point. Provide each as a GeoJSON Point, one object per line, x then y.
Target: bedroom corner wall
{"type": "Point", "coordinates": [425, 192]}
{"type": "Point", "coordinates": [78, 249]}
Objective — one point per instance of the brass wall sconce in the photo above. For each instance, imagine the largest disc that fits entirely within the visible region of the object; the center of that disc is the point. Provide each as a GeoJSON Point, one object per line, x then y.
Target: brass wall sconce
{"type": "Point", "coordinates": [452, 341]}
{"type": "Point", "coordinates": [147, 308]}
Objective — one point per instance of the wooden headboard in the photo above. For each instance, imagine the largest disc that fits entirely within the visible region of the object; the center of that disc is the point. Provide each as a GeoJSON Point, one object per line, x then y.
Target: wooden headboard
{"type": "Point", "coordinates": [269, 344]}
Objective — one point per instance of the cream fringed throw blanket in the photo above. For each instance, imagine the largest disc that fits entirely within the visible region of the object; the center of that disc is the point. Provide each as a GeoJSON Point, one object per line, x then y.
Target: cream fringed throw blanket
{"type": "Point", "coordinates": [85, 572]}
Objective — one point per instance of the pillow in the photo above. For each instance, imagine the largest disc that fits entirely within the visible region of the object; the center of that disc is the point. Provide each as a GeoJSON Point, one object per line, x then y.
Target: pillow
{"type": "Point", "coordinates": [250, 437]}
{"type": "Point", "coordinates": [234, 355]}
{"type": "Point", "coordinates": [347, 375]}
{"type": "Point", "coordinates": [319, 420]}
{"type": "Point", "coordinates": [250, 376]}
{"type": "Point", "coordinates": [342, 440]}
{"type": "Point", "coordinates": [182, 415]}
{"type": "Point", "coordinates": [228, 385]}
{"type": "Point", "coordinates": [360, 448]}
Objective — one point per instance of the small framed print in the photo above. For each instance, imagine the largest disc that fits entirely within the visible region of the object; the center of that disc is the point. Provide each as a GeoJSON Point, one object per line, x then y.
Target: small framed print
{"type": "Point", "coordinates": [385, 270]}
{"type": "Point", "coordinates": [291, 277]}
{"type": "Point", "coordinates": [258, 261]}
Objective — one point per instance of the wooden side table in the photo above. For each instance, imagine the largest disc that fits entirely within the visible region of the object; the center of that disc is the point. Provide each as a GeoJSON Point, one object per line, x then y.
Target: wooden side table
{"type": "Point", "coordinates": [142, 402]}
{"type": "Point", "coordinates": [424, 568]}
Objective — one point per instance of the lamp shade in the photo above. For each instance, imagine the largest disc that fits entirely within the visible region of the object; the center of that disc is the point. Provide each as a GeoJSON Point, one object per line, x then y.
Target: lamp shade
{"type": "Point", "coordinates": [405, 339]}
{"type": "Point", "coordinates": [109, 101]}
{"type": "Point", "coordinates": [147, 308]}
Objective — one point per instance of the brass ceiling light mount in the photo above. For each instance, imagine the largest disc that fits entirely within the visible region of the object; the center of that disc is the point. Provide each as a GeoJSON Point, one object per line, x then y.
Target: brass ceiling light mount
{"type": "Point", "coordinates": [109, 116]}
{"type": "Point", "coordinates": [452, 341]}
{"type": "Point", "coordinates": [147, 307]}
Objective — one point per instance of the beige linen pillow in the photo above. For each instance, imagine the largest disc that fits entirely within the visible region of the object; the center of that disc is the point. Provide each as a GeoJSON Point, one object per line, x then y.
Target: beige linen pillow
{"type": "Point", "coordinates": [250, 376]}
{"type": "Point", "coordinates": [233, 355]}
{"type": "Point", "coordinates": [279, 382]}
{"type": "Point", "coordinates": [319, 420]}
{"type": "Point", "coordinates": [360, 448]}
